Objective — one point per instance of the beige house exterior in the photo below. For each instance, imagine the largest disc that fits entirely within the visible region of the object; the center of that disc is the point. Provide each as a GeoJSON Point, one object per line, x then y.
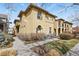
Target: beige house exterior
{"type": "Point", "coordinates": [62, 26]}
{"type": "Point", "coordinates": [35, 19]}
{"type": "Point", "coordinates": [59, 26]}
{"type": "Point", "coordinates": [68, 26]}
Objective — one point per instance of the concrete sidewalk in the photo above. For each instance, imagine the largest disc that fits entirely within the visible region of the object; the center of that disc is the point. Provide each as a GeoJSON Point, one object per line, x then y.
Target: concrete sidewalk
{"type": "Point", "coordinates": [74, 51]}
{"type": "Point", "coordinates": [24, 50]}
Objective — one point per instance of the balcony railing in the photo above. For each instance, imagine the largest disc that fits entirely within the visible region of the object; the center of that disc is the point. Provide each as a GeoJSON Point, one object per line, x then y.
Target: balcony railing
{"type": "Point", "coordinates": [60, 26]}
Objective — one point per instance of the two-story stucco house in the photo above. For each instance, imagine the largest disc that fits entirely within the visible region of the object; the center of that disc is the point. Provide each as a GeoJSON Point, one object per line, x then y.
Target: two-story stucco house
{"type": "Point", "coordinates": [68, 26]}
{"type": "Point", "coordinates": [35, 19]}
{"type": "Point", "coordinates": [62, 26]}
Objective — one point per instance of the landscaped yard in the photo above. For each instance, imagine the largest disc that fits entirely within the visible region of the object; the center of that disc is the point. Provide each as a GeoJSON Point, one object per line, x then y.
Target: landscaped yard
{"type": "Point", "coordinates": [59, 47]}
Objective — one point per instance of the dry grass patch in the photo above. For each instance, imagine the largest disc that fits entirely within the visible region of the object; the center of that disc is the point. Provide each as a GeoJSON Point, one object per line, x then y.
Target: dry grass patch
{"type": "Point", "coordinates": [55, 48]}
{"type": "Point", "coordinates": [8, 52]}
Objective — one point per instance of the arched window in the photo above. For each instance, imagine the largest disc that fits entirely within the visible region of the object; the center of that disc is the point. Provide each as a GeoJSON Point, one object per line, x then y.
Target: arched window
{"type": "Point", "coordinates": [39, 28]}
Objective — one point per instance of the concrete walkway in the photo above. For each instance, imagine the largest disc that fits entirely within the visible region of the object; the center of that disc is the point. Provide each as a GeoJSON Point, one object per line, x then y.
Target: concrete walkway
{"type": "Point", "coordinates": [74, 51]}
{"type": "Point", "coordinates": [24, 50]}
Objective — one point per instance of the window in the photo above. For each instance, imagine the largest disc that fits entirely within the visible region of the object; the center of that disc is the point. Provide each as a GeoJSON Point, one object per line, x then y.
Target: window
{"type": "Point", "coordinates": [50, 29]}
{"type": "Point", "coordinates": [62, 30]}
{"type": "Point", "coordinates": [58, 31]}
{"type": "Point", "coordinates": [39, 28]}
{"type": "Point", "coordinates": [47, 17]}
{"type": "Point", "coordinates": [63, 25]}
{"type": "Point", "coordinates": [59, 23]}
{"type": "Point", "coordinates": [39, 15]}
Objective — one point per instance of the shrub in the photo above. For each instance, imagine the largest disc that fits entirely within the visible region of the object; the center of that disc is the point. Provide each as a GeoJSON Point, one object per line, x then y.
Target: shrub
{"type": "Point", "coordinates": [38, 36]}
{"type": "Point", "coordinates": [53, 52]}
{"type": "Point", "coordinates": [8, 52]}
{"type": "Point", "coordinates": [77, 37]}
{"type": "Point", "coordinates": [32, 36]}
{"type": "Point", "coordinates": [38, 50]}
{"type": "Point", "coordinates": [24, 37]}
{"type": "Point", "coordinates": [10, 45]}
{"type": "Point", "coordinates": [41, 50]}
{"type": "Point", "coordinates": [10, 39]}
{"type": "Point", "coordinates": [66, 36]}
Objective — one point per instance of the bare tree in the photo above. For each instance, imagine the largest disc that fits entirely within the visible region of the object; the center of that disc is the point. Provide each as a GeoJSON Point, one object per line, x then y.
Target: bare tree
{"type": "Point", "coordinates": [10, 7]}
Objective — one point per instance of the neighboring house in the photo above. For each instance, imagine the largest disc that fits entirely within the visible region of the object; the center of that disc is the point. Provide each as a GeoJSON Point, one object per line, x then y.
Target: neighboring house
{"type": "Point", "coordinates": [59, 26]}
{"type": "Point", "coordinates": [35, 19]}
{"type": "Point", "coordinates": [62, 26]}
{"type": "Point", "coordinates": [68, 26]}
{"type": "Point", "coordinates": [4, 23]}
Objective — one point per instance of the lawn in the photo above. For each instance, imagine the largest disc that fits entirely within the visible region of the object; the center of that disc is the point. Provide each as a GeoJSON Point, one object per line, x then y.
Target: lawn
{"type": "Point", "coordinates": [69, 43]}
{"type": "Point", "coordinates": [61, 46]}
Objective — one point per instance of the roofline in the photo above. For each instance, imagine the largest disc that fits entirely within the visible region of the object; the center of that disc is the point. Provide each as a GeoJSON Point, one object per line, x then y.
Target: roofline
{"type": "Point", "coordinates": [68, 22]}
{"type": "Point", "coordinates": [20, 13]}
{"type": "Point", "coordinates": [60, 19]}
{"type": "Point", "coordinates": [64, 21]}
{"type": "Point", "coordinates": [34, 6]}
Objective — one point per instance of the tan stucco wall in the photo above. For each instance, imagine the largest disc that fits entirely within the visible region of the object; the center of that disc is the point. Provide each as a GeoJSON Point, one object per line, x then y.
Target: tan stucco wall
{"type": "Point", "coordinates": [44, 22]}
{"type": "Point", "coordinates": [26, 24]}
{"type": "Point", "coordinates": [30, 22]}
{"type": "Point", "coordinates": [59, 26]}
{"type": "Point", "coordinates": [69, 28]}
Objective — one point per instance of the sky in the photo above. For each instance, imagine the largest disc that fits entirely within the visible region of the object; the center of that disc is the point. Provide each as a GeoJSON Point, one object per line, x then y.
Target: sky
{"type": "Point", "coordinates": [61, 10]}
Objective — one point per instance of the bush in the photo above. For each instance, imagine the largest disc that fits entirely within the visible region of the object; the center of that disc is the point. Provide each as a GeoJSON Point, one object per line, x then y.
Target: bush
{"type": "Point", "coordinates": [77, 37]}
{"type": "Point", "coordinates": [24, 37]}
{"type": "Point", "coordinates": [8, 52]}
{"type": "Point", "coordinates": [37, 36]}
{"type": "Point", "coordinates": [66, 36]}
{"type": "Point", "coordinates": [32, 36]}
{"type": "Point", "coordinates": [53, 52]}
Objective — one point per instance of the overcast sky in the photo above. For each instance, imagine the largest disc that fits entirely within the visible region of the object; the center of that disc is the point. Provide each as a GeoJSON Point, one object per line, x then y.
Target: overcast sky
{"type": "Point", "coordinates": [62, 10]}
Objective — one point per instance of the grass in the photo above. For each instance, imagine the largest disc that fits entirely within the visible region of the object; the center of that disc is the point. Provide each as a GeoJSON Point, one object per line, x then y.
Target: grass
{"type": "Point", "coordinates": [62, 45]}
{"type": "Point", "coordinates": [69, 43]}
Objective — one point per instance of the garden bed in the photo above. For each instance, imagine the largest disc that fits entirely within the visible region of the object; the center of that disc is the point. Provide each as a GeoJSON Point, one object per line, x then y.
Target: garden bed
{"type": "Point", "coordinates": [55, 48]}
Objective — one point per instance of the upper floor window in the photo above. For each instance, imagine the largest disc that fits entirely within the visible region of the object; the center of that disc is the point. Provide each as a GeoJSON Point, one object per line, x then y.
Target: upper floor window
{"type": "Point", "coordinates": [47, 17]}
{"type": "Point", "coordinates": [62, 25]}
{"type": "Point", "coordinates": [59, 22]}
{"type": "Point", "coordinates": [39, 16]}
